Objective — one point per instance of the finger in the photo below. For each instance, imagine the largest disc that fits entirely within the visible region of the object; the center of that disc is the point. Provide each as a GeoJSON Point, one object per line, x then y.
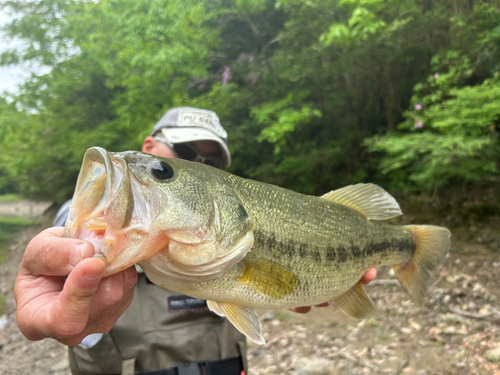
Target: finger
{"type": "Point", "coordinates": [114, 295]}
{"type": "Point", "coordinates": [369, 275]}
{"type": "Point", "coordinates": [112, 289]}
{"type": "Point", "coordinates": [50, 254]}
{"type": "Point", "coordinates": [70, 313]}
{"type": "Point", "coordinates": [129, 278]}
{"type": "Point", "coordinates": [326, 304]}
{"type": "Point", "coordinates": [302, 309]}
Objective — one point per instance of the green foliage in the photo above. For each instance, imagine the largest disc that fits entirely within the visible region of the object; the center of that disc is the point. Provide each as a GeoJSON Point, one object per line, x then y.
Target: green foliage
{"type": "Point", "coordinates": [280, 119]}
{"type": "Point", "coordinates": [299, 85]}
{"type": "Point", "coordinates": [10, 119]}
{"type": "Point", "coordinates": [365, 20]}
{"type": "Point", "coordinates": [43, 150]}
{"type": "Point", "coordinates": [451, 135]}
{"type": "Point", "coordinates": [10, 198]}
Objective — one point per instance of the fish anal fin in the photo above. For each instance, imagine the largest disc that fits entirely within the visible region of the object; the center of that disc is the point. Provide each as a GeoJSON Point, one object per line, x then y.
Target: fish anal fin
{"type": "Point", "coordinates": [268, 278]}
{"type": "Point", "coordinates": [243, 318]}
{"type": "Point", "coordinates": [355, 302]}
{"type": "Point", "coordinates": [432, 245]}
{"type": "Point", "coordinates": [370, 200]}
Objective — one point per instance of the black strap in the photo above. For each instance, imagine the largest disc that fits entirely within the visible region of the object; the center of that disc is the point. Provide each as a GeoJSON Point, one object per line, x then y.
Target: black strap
{"type": "Point", "coordinates": [230, 366]}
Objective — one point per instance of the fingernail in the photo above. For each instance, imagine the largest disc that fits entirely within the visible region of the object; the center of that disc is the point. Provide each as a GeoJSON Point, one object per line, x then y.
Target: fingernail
{"type": "Point", "coordinates": [93, 273]}
{"type": "Point", "coordinates": [101, 257]}
{"type": "Point", "coordinates": [79, 253]}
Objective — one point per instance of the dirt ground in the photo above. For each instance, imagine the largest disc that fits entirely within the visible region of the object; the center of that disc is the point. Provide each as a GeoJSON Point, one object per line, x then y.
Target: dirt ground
{"type": "Point", "coordinates": [455, 332]}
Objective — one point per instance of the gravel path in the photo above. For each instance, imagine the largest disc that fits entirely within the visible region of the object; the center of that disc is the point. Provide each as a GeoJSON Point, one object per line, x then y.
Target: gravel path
{"type": "Point", "coordinates": [456, 332]}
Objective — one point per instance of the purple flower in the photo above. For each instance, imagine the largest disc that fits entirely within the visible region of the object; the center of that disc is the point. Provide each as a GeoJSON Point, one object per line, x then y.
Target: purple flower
{"type": "Point", "coordinates": [436, 75]}
{"type": "Point", "coordinates": [418, 106]}
{"type": "Point", "coordinates": [226, 75]}
{"type": "Point", "coordinates": [419, 124]}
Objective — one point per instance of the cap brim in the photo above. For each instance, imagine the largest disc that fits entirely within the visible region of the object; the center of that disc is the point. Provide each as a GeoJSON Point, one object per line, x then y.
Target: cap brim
{"type": "Point", "coordinates": [183, 135]}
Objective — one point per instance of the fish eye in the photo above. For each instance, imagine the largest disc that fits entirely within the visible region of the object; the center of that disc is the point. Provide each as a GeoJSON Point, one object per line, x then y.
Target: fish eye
{"type": "Point", "coordinates": [162, 171]}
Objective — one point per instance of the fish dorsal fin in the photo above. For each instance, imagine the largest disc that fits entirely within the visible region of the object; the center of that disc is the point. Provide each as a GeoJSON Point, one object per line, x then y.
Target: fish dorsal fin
{"type": "Point", "coordinates": [244, 319]}
{"type": "Point", "coordinates": [370, 200]}
{"type": "Point", "coordinates": [268, 278]}
{"type": "Point", "coordinates": [355, 302]}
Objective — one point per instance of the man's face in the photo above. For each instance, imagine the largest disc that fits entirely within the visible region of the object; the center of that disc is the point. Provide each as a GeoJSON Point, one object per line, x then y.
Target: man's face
{"type": "Point", "coordinates": [157, 148]}
{"type": "Point", "coordinates": [205, 148]}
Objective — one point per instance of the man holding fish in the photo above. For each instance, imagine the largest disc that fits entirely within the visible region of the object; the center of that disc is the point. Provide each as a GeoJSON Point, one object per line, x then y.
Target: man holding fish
{"type": "Point", "coordinates": [61, 293]}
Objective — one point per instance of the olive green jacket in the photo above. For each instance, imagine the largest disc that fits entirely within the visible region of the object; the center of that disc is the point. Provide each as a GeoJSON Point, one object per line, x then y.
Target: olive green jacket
{"type": "Point", "coordinates": [147, 337]}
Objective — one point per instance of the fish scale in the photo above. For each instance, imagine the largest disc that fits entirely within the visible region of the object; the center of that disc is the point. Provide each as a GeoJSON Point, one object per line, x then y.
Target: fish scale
{"type": "Point", "coordinates": [242, 244]}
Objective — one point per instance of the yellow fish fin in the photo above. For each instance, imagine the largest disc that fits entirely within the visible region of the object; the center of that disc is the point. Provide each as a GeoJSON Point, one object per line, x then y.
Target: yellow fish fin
{"type": "Point", "coordinates": [432, 244]}
{"type": "Point", "coordinates": [268, 278]}
{"type": "Point", "coordinates": [215, 307]}
{"type": "Point", "coordinates": [369, 200]}
{"type": "Point", "coordinates": [355, 302]}
{"type": "Point", "coordinates": [244, 319]}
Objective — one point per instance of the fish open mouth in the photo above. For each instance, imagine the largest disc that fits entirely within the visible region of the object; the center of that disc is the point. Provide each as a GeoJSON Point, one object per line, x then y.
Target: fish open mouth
{"type": "Point", "coordinates": [102, 211]}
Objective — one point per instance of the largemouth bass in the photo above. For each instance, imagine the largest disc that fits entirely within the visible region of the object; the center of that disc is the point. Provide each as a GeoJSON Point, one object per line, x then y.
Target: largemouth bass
{"type": "Point", "coordinates": [242, 244]}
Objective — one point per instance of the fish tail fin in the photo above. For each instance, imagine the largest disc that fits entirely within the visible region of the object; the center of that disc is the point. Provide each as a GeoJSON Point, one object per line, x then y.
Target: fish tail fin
{"type": "Point", "coordinates": [432, 245]}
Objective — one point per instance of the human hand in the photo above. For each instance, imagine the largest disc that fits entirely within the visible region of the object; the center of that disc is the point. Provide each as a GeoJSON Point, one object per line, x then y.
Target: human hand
{"type": "Point", "coordinates": [367, 277]}
{"type": "Point", "coordinates": [68, 309]}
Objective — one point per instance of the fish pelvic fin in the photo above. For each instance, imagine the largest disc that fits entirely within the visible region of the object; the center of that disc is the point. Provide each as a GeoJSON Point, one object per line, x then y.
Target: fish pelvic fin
{"type": "Point", "coordinates": [244, 319]}
{"type": "Point", "coordinates": [355, 302]}
{"type": "Point", "coordinates": [268, 278]}
{"type": "Point", "coordinates": [370, 200]}
{"type": "Point", "coordinates": [432, 245]}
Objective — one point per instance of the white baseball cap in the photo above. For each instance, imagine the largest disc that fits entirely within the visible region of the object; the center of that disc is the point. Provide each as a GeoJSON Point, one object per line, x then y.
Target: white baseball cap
{"type": "Point", "coordinates": [188, 124]}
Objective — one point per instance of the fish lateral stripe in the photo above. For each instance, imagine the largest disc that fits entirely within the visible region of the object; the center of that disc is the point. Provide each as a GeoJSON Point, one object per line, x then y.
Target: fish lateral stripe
{"type": "Point", "coordinates": [402, 245]}
{"type": "Point", "coordinates": [291, 248]}
{"type": "Point", "coordinates": [316, 254]}
{"type": "Point", "coordinates": [302, 250]}
{"type": "Point", "coordinates": [331, 254]}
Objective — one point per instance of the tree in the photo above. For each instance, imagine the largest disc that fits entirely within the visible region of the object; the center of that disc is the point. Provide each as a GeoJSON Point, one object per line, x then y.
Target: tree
{"type": "Point", "coordinates": [450, 135]}
{"type": "Point", "coordinates": [298, 84]}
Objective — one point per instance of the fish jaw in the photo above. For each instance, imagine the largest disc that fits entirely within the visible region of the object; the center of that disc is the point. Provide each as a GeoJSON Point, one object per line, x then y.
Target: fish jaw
{"type": "Point", "coordinates": [103, 212]}
{"type": "Point", "coordinates": [165, 270]}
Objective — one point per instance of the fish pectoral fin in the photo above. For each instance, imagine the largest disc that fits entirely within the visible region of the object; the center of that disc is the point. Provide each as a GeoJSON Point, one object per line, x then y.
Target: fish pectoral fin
{"type": "Point", "coordinates": [244, 319]}
{"type": "Point", "coordinates": [268, 278]}
{"type": "Point", "coordinates": [355, 302]}
{"type": "Point", "coordinates": [369, 200]}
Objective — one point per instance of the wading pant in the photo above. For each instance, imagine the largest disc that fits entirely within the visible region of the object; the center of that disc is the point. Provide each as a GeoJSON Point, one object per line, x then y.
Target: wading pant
{"type": "Point", "coordinates": [159, 330]}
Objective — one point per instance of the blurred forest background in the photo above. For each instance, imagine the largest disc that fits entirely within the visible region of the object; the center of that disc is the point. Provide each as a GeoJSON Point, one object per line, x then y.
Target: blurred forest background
{"type": "Point", "coordinates": [315, 94]}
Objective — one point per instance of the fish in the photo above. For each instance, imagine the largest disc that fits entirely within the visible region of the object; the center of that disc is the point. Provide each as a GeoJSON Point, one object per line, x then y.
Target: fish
{"type": "Point", "coordinates": [245, 245]}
